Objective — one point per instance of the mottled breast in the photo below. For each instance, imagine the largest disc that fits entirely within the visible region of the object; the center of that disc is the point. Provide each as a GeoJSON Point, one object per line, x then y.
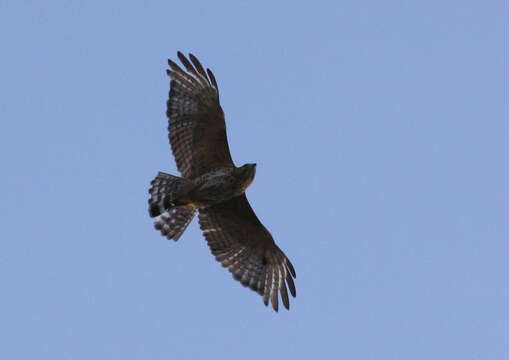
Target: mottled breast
{"type": "Point", "coordinates": [217, 186]}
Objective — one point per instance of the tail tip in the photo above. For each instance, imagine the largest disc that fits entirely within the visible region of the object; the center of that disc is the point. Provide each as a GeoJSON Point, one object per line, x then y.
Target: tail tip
{"type": "Point", "coordinates": [154, 210]}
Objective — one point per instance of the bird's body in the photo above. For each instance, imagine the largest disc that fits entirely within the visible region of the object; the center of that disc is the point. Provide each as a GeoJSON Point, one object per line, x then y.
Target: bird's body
{"type": "Point", "coordinates": [208, 189]}
{"type": "Point", "coordinates": [222, 184]}
{"type": "Point", "coordinates": [213, 186]}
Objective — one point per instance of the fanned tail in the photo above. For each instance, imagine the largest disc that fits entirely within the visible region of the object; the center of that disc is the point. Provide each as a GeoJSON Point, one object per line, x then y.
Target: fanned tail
{"type": "Point", "coordinates": [171, 219]}
{"type": "Point", "coordinates": [172, 223]}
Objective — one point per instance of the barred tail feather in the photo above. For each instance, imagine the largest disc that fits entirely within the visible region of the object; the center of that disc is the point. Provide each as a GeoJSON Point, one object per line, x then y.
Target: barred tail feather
{"type": "Point", "coordinates": [173, 222]}
{"type": "Point", "coordinates": [171, 218]}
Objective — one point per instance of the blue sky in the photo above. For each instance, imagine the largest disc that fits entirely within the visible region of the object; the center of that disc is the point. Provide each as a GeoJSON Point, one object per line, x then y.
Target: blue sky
{"type": "Point", "coordinates": [380, 130]}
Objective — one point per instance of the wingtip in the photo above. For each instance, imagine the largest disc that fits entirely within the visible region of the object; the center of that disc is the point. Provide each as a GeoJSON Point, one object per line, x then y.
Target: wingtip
{"type": "Point", "coordinates": [181, 57]}
{"type": "Point", "coordinates": [284, 295]}
{"type": "Point", "coordinates": [274, 300]}
{"type": "Point", "coordinates": [173, 65]}
{"type": "Point", "coordinates": [291, 268]}
{"type": "Point", "coordinates": [291, 285]}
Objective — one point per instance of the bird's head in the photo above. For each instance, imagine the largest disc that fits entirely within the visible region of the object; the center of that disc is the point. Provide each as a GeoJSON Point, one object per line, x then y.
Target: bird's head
{"type": "Point", "coordinates": [247, 173]}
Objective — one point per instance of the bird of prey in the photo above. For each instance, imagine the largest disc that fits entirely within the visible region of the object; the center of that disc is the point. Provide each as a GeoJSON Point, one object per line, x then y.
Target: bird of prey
{"type": "Point", "coordinates": [214, 187]}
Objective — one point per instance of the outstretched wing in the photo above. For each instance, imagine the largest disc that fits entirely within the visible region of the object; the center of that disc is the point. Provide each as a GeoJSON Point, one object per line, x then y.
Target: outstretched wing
{"type": "Point", "coordinates": [197, 129]}
{"type": "Point", "coordinates": [241, 243]}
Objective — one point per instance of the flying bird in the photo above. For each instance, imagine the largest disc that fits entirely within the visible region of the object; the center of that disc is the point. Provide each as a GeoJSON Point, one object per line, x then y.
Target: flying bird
{"type": "Point", "coordinates": [212, 186]}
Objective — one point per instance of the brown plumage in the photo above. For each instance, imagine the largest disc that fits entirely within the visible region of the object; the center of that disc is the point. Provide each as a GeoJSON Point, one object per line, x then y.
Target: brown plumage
{"type": "Point", "coordinates": [213, 186]}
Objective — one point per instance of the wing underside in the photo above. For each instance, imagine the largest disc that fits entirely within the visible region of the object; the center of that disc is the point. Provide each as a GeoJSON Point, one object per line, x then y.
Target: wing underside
{"type": "Point", "coordinates": [241, 244]}
{"type": "Point", "coordinates": [197, 130]}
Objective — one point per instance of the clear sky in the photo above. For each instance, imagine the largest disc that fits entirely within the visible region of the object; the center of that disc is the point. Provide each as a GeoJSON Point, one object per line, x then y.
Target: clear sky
{"type": "Point", "coordinates": [380, 129]}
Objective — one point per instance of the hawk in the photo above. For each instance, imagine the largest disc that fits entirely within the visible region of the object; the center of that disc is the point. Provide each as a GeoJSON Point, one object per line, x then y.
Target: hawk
{"type": "Point", "coordinates": [212, 186]}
